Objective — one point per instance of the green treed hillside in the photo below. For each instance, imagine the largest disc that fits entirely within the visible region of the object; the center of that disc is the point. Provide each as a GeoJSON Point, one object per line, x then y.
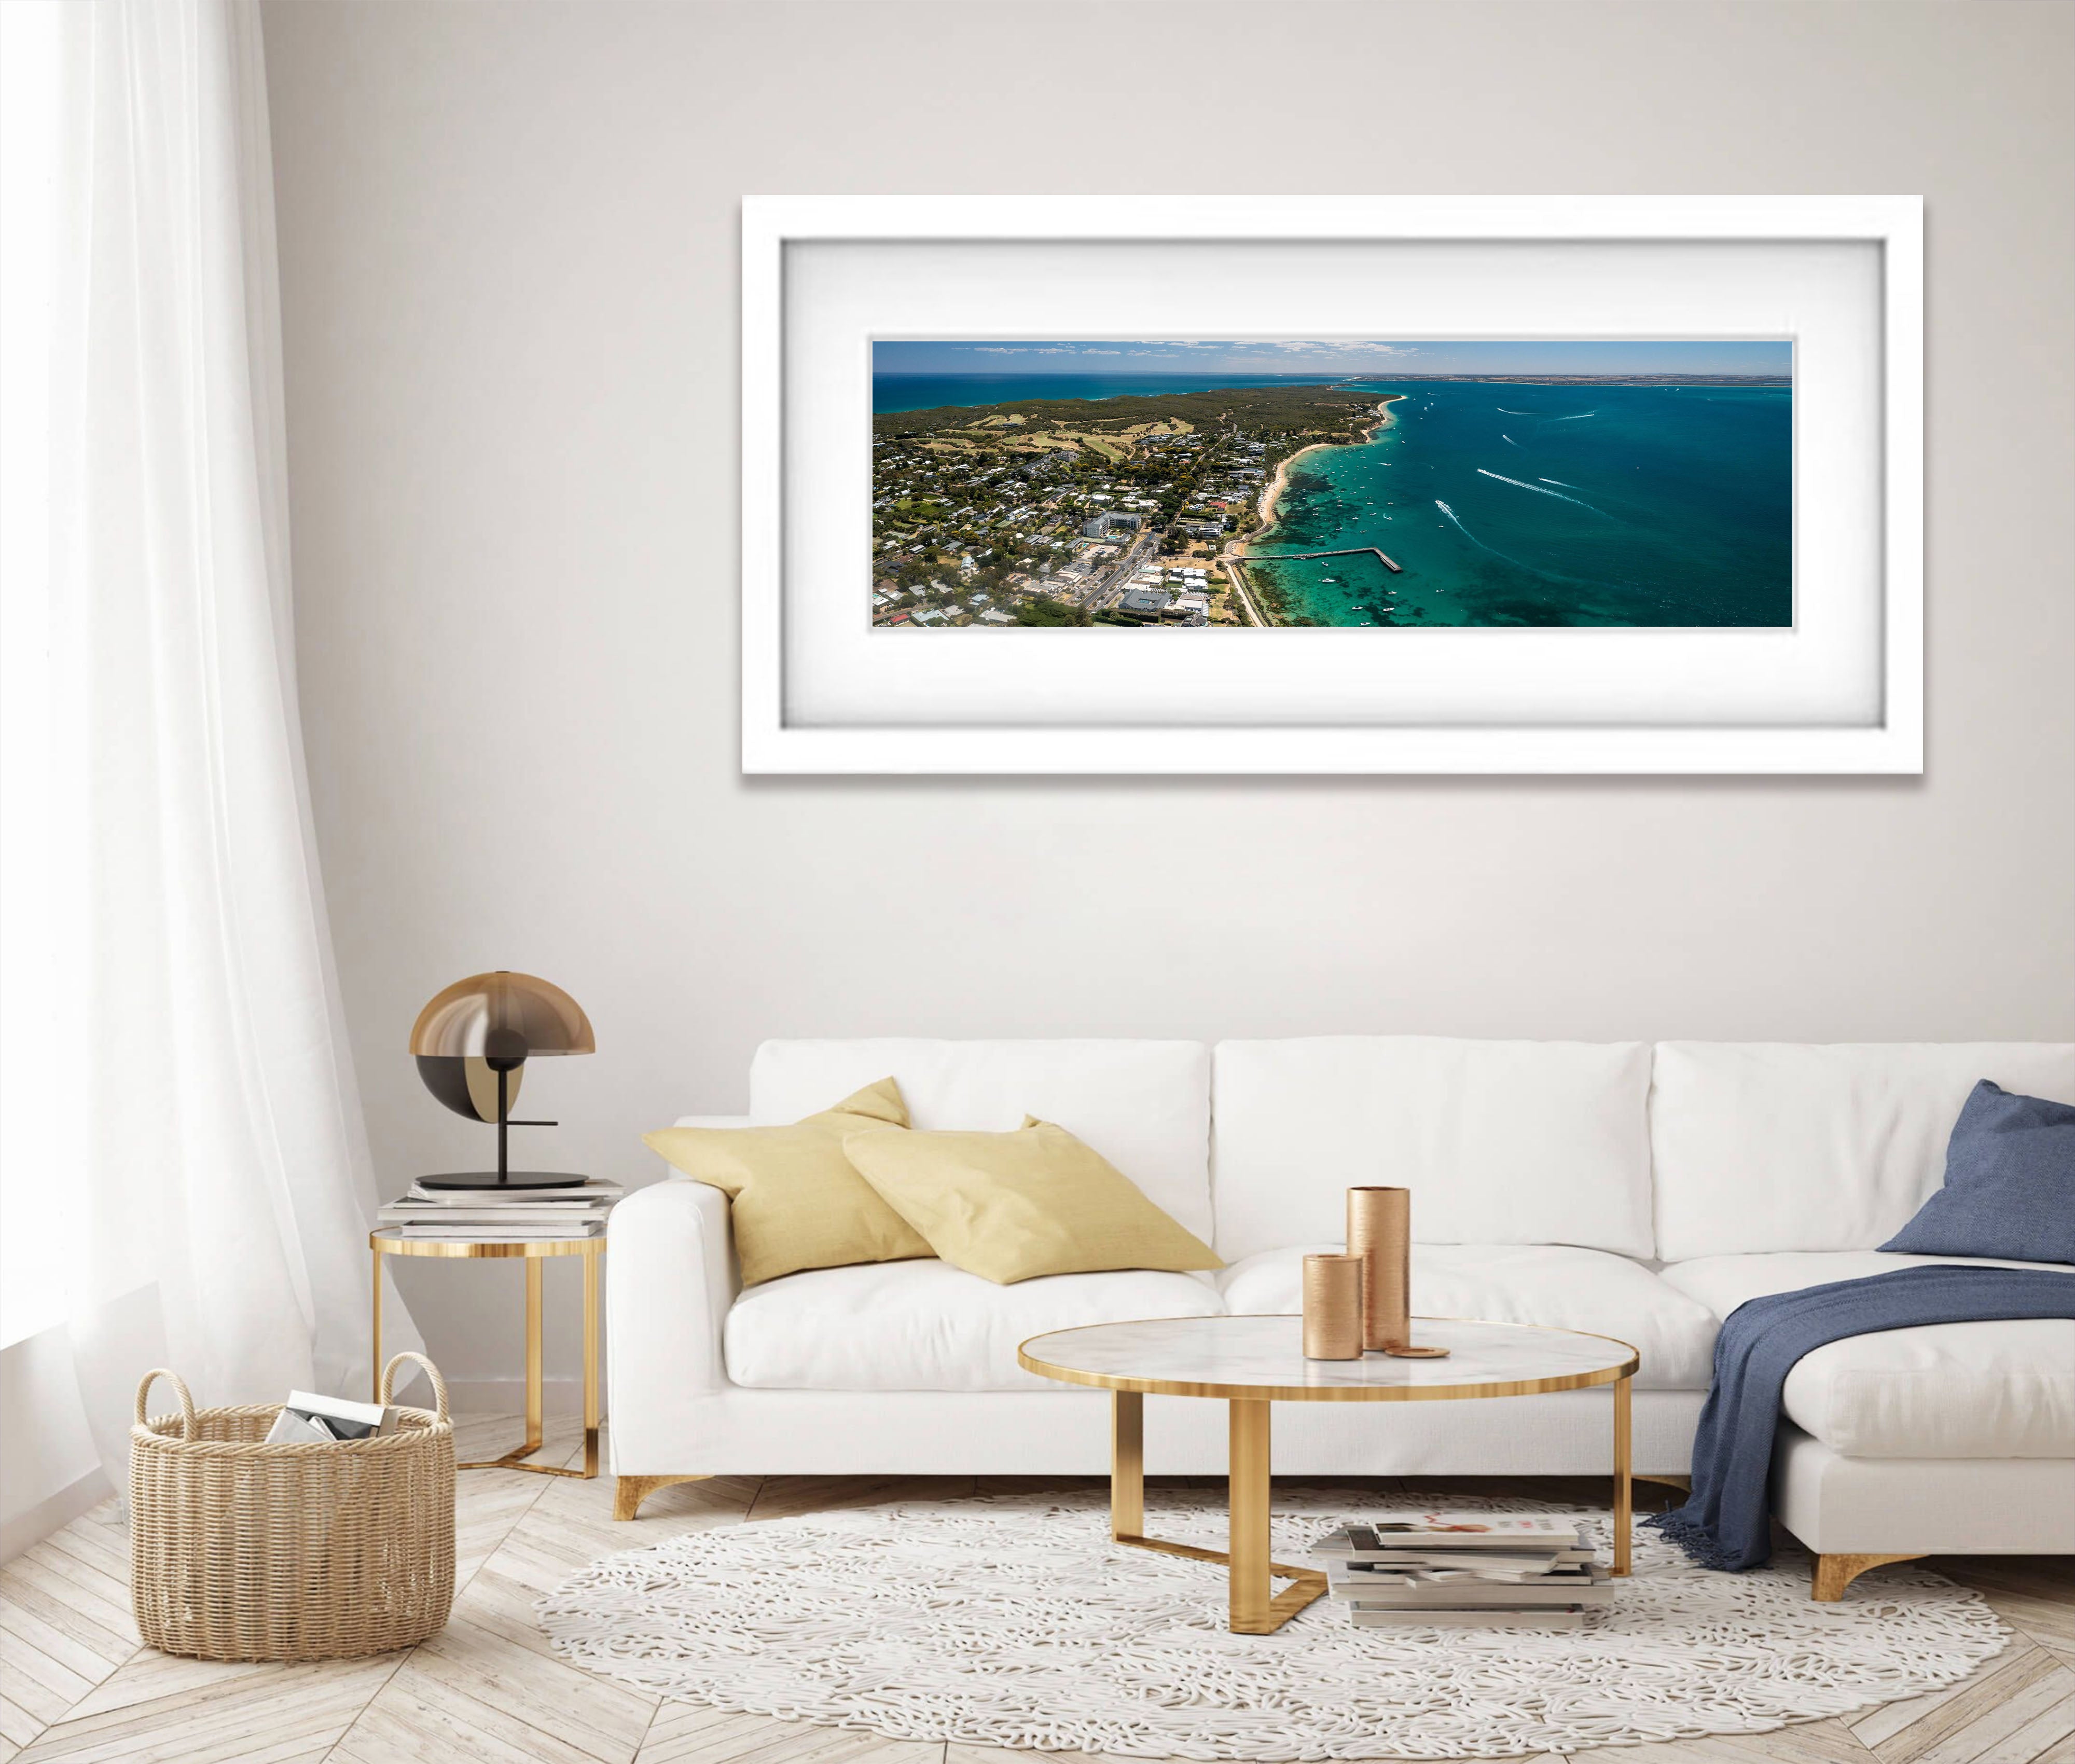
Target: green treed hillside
{"type": "Point", "coordinates": [1263, 411]}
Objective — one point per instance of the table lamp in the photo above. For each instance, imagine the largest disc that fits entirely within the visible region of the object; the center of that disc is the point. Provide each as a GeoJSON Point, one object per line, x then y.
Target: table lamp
{"type": "Point", "coordinates": [472, 1042]}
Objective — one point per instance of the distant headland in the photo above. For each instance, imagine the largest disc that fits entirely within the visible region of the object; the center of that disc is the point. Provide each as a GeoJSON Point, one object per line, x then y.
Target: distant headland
{"type": "Point", "coordinates": [1574, 380]}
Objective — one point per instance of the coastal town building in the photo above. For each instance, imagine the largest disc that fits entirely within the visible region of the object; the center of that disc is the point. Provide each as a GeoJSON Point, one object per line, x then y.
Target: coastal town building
{"type": "Point", "coordinates": [1065, 514]}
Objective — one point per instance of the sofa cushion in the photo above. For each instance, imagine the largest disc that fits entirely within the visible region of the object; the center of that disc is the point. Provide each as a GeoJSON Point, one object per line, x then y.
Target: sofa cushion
{"type": "Point", "coordinates": [795, 1199]}
{"type": "Point", "coordinates": [928, 1326]}
{"type": "Point", "coordinates": [1143, 1105]}
{"type": "Point", "coordinates": [2009, 1183]}
{"type": "Point", "coordinates": [1674, 1335]}
{"type": "Point", "coordinates": [1512, 1142]}
{"type": "Point", "coordinates": [1020, 1206]}
{"type": "Point", "coordinates": [2002, 1389]}
{"type": "Point", "coordinates": [1762, 1147]}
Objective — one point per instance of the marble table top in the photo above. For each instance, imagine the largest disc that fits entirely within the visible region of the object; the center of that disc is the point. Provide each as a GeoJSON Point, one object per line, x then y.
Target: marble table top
{"type": "Point", "coordinates": [1263, 1357]}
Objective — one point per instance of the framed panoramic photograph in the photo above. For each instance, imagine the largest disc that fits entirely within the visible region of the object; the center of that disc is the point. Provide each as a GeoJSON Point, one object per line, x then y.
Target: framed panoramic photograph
{"type": "Point", "coordinates": [1347, 485]}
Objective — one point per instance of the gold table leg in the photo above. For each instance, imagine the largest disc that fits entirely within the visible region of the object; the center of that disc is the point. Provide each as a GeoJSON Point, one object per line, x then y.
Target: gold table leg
{"type": "Point", "coordinates": [1127, 1466]}
{"type": "Point", "coordinates": [1255, 1610]}
{"type": "Point", "coordinates": [374, 1370]}
{"type": "Point", "coordinates": [535, 1377]}
{"type": "Point", "coordinates": [1246, 1501]}
{"type": "Point", "coordinates": [1624, 1484]}
{"type": "Point", "coordinates": [590, 1365]}
{"type": "Point", "coordinates": [537, 1359]}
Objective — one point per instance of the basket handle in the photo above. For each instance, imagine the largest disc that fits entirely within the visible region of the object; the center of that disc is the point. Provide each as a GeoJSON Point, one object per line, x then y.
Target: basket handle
{"type": "Point", "coordinates": [432, 1371]}
{"type": "Point", "coordinates": [180, 1390]}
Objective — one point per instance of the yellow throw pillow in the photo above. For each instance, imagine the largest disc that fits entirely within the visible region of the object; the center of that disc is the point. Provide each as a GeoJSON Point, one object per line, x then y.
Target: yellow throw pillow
{"type": "Point", "coordinates": [1010, 1207]}
{"type": "Point", "coordinates": [794, 1199]}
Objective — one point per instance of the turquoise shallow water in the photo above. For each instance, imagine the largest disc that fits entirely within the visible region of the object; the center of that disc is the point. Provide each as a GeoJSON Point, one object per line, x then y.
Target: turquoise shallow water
{"type": "Point", "coordinates": [1512, 505]}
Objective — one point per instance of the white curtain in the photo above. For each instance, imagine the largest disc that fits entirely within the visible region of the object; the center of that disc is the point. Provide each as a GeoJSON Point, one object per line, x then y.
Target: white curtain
{"type": "Point", "coordinates": [206, 1187]}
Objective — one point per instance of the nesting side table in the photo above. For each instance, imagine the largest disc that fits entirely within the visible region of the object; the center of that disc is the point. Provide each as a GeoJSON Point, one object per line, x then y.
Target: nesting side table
{"type": "Point", "coordinates": [535, 1251]}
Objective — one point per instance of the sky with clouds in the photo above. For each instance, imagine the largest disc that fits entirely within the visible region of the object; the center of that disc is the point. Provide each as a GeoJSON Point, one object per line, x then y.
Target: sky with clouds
{"type": "Point", "coordinates": [1332, 357]}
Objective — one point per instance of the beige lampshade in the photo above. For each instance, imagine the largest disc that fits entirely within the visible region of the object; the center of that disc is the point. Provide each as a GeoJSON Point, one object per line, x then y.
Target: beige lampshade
{"type": "Point", "coordinates": [502, 1017]}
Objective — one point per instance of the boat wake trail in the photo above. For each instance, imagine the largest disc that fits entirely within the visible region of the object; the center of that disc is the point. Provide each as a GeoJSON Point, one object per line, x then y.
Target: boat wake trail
{"type": "Point", "coordinates": [1539, 492]}
{"type": "Point", "coordinates": [1509, 438]}
{"type": "Point", "coordinates": [1503, 411]}
{"type": "Point", "coordinates": [1559, 483]}
{"type": "Point", "coordinates": [1581, 417]}
{"type": "Point", "coordinates": [1546, 575]}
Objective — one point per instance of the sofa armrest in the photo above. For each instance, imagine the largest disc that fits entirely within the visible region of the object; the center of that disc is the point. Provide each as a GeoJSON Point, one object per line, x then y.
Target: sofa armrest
{"type": "Point", "coordinates": [671, 1280]}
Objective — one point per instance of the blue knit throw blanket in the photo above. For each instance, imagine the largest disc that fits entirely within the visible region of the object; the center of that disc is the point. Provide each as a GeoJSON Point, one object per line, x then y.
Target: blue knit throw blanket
{"type": "Point", "coordinates": [1725, 1521]}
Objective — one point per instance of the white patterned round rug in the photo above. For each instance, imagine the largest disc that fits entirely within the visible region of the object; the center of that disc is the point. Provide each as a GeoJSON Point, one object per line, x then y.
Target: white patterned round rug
{"type": "Point", "coordinates": [1014, 1622]}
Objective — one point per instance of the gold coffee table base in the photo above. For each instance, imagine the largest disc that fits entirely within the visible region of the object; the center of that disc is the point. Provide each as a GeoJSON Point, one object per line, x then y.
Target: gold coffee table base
{"type": "Point", "coordinates": [1256, 1610]}
{"type": "Point", "coordinates": [392, 1243]}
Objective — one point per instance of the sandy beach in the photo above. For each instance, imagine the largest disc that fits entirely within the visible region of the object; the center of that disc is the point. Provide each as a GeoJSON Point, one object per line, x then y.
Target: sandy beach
{"type": "Point", "coordinates": [1273, 492]}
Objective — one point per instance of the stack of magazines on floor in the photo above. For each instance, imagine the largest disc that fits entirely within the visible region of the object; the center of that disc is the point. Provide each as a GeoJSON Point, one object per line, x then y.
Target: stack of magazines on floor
{"type": "Point", "coordinates": [576, 1209]}
{"type": "Point", "coordinates": [1523, 1571]}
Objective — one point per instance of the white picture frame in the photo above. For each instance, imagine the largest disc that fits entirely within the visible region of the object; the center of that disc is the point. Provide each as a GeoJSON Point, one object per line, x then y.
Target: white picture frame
{"type": "Point", "coordinates": [778, 735]}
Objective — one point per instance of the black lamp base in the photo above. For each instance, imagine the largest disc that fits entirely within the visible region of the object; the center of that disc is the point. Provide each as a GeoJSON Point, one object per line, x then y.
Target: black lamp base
{"type": "Point", "coordinates": [491, 1180]}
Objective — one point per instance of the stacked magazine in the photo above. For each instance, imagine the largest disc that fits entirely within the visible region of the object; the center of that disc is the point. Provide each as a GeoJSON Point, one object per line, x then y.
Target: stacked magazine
{"type": "Point", "coordinates": [577, 1209]}
{"type": "Point", "coordinates": [306, 1419]}
{"type": "Point", "coordinates": [1525, 1570]}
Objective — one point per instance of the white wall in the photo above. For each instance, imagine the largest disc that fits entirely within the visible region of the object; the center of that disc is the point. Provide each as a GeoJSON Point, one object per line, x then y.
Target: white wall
{"type": "Point", "coordinates": [49, 1470]}
{"type": "Point", "coordinates": [509, 260]}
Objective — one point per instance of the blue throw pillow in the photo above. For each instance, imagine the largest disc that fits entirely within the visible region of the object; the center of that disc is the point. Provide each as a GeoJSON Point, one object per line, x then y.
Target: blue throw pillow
{"type": "Point", "coordinates": [2009, 1184]}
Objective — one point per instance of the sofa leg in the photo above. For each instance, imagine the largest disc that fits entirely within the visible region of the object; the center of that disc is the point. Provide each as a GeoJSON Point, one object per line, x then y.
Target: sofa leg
{"type": "Point", "coordinates": [630, 1492]}
{"type": "Point", "coordinates": [1834, 1573]}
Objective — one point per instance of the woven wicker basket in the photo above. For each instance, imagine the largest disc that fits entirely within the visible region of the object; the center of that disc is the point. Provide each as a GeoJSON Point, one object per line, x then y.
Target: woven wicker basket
{"type": "Point", "coordinates": [244, 1551]}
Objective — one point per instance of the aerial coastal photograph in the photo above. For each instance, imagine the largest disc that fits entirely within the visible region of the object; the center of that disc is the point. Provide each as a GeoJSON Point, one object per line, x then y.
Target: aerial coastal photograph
{"type": "Point", "coordinates": [1331, 483]}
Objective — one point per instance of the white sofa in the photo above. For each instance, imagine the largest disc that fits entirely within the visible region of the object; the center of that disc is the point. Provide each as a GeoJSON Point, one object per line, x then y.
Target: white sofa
{"type": "Point", "coordinates": [1633, 1190]}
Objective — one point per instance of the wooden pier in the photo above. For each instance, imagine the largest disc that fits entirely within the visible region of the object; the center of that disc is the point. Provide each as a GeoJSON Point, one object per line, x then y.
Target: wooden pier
{"type": "Point", "coordinates": [1291, 556]}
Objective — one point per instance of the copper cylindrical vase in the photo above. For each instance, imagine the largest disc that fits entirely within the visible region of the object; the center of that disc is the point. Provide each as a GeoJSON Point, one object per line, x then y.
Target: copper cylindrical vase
{"type": "Point", "coordinates": [1380, 1231]}
{"type": "Point", "coordinates": [1333, 1307]}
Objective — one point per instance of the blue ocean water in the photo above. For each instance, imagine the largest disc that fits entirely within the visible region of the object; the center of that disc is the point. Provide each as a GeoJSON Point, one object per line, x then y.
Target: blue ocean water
{"type": "Point", "coordinates": [927, 391]}
{"type": "Point", "coordinates": [1535, 505]}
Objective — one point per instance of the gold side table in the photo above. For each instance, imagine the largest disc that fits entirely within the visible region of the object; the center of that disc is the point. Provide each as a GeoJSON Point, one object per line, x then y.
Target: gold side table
{"type": "Point", "coordinates": [392, 1242]}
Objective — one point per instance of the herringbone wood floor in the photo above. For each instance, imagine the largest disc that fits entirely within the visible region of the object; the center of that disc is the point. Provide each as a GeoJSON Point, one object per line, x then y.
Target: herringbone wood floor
{"type": "Point", "coordinates": [74, 1684]}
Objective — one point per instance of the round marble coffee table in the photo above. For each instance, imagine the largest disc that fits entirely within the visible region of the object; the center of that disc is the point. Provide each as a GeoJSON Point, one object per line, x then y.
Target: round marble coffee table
{"type": "Point", "coordinates": [1254, 1361]}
